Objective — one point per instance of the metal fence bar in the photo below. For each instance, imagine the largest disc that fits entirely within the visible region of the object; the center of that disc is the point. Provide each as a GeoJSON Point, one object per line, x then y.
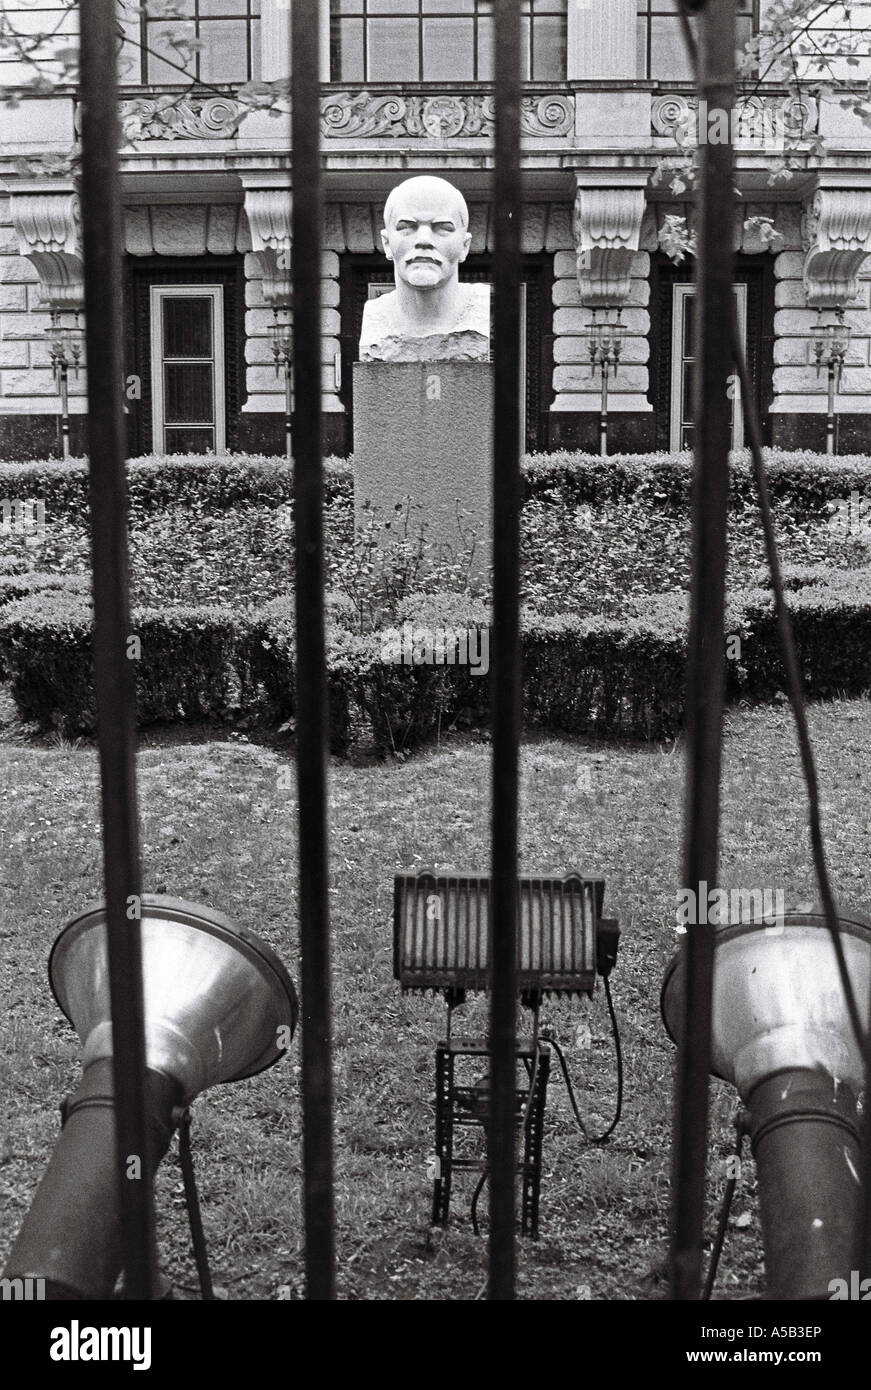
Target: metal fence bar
{"type": "Point", "coordinates": [505, 663]}
{"type": "Point", "coordinates": [312, 725]}
{"type": "Point", "coordinates": [706, 657]}
{"type": "Point", "coordinates": [114, 670]}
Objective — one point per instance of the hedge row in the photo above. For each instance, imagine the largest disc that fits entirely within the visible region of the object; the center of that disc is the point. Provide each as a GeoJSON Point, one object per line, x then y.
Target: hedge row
{"type": "Point", "coordinates": [803, 481]}
{"type": "Point", "coordinates": [153, 483]}
{"type": "Point", "coordinates": [617, 679]}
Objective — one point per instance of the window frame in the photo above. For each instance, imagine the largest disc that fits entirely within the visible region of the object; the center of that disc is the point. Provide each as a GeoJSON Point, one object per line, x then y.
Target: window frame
{"type": "Point", "coordinates": [159, 423]}
{"type": "Point", "coordinates": [682, 291]}
{"type": "Point", "coordinates": [417, 13]}
{"type": "Point", "coordinates": [658, 9]}
{"type": "Point", "coordinates": [253, 12]}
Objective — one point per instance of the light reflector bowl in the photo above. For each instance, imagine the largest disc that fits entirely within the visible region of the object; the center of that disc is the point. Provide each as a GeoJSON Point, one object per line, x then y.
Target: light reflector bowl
{"type": "Point", "coordinates": [778, 1003]}
{"type": "Point", "coordinates": [219, 1004]}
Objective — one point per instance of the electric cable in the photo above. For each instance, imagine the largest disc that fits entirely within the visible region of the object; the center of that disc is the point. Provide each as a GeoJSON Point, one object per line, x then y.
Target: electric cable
{"type": "Point", "coordinates": [725, 1209]}
{"type": "Point", "coordinates": [618, 1052]}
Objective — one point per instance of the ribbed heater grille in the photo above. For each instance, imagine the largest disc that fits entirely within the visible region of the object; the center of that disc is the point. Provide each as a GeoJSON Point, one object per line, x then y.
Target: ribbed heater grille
{"type": "Point", "coordinates": [440, 932]}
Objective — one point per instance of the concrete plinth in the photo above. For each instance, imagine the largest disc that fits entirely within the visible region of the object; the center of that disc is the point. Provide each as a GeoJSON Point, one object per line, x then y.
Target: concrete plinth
{"type": "Point", "coordinates": [423, 430]}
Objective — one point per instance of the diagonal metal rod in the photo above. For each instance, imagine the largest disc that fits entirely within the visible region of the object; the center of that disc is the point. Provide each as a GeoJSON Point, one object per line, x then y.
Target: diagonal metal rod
{"type": "Point", "coordinates": [311, 675]}
{"type": "Point", "coordinates": [505, 665]}
{"type": "Point", "coordinates": [114, 670]}
{"type": "Point", "coordinates": [705, 671]}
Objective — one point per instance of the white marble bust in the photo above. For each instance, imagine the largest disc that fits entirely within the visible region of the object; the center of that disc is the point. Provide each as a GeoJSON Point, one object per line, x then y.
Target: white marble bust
{"type": "Point", "coordinates": [429, 316]}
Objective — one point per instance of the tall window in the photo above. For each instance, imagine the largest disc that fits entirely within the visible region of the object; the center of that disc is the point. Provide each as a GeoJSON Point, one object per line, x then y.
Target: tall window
{"type": "Point", "coordinates": [683, 365]}
{"type": "Point", "coordinates": [212, 41]}
{"type": "Point", "coordinates": [187, 369]}
{"type": "Point", "coordinates": [439, 40]}
{"type": "Point", "coordinates": [661, 51]}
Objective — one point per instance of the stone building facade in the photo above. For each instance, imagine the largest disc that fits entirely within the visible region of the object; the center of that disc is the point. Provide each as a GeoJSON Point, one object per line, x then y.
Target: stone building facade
{"type": "Point", "coordinates": [207, 182]}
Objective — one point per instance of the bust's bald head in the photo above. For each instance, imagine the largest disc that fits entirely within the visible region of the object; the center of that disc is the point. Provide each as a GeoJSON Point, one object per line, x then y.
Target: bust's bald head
{"type": "Point", "coordinates": [428, 189]}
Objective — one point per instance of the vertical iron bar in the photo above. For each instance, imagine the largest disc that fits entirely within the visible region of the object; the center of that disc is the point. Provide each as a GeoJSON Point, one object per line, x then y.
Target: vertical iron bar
{"type": "Point", "coordinates": [705, 672]}
{"type": "Point", "coordinates": [505, 666]}
{"type": "Point", "coordinates": [311, 675]}
{"type": "Point", "coordinates": [114, 670]}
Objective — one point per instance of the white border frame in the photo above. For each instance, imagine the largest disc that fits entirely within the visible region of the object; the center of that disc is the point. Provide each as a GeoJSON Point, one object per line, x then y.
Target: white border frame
{"type": "Point", "coordinates": [158, 423]}
{"type": "Point", "coordinates": [680, 293]}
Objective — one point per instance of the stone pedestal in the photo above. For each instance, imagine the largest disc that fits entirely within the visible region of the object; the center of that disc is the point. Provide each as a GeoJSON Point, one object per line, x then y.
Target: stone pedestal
{"type": "Point", "coordinates": [423, 430]}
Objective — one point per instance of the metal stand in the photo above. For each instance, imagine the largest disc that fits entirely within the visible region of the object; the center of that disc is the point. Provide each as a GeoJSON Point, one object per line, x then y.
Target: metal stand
{"type": "Point", "coordinates": [463, 1105]}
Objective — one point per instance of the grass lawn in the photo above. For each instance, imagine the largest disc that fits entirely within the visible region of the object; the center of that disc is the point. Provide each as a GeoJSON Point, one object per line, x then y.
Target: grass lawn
{"type": "Point", "coordinates": [219, 827]}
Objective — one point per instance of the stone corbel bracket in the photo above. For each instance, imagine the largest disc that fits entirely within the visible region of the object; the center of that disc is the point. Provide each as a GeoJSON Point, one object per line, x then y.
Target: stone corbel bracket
{"type": "Point", "coordinates": [837, 239]}
{"type": "Point", "coordinates": [607, 227]}
{"type": "Point", "coordinates": [48, 227]}
{"type": "Point", "coordinates": [269, 216]}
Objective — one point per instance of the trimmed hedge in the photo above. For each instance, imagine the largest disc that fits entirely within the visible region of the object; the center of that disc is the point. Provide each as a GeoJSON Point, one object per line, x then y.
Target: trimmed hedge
{"type": "Point", "coordinates": [198, 480]}
{"type": "Point", "coordinates": [803, 481]}
{"type": "Point", "coordinates": [612, 678]}
{"type": "Point", "coordinates": [831, 623]}
{"type": "Point", "coordinates": [196, 663]}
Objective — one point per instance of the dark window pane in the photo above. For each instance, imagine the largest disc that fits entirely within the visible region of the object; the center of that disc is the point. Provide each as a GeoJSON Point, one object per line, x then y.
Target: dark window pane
{"type": "Point", "coordinates": [187, 392]}
{"type": "Point", "coordinates": [668, 56]}
{"type": "Point", "coordinates": [393, 50]}
{"type": "Point", "coordinates": [189, 441]}
{"type": "Point", "coordinates": [225, 55]}
{"type": "Point", "coordinates": [449, 7]}
{"type": "Point", "coordinates": [346, 63]}
{"type": "Point", "coordinates": [160, 47]}
{"type": "Point", "coordinates": [448, 50]}
{"type": "Point", "coordinates": [689, 314]}
{"type": "Point", "coordinates": [549, 50]}
{"type": "Point", "coordinates": [187, 327]}
{"type": "Point", "coordinates": [395, 7]}
{"type": "Point", "coordinates": [485, 50]}
{"type": "Point", "coordinates": [688, 368]}
{"type": "Point", "coordinates": [221, 9]}
{"type": "Point", "coordinates": [525, 56]}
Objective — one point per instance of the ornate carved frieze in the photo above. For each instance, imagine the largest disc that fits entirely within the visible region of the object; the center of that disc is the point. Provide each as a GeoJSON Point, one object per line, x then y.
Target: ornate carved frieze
{"type": "Point", "coordinates": [445, 116]}
{"type": "Point", "coordinates": [837, 233]}
{"type": "Point", "coordinates": [607, 232]}
{"type": "Point", "coordinates": [269, 212]}
{"type": "Point", "coordinates": [762, 122]}
{"type": "Point", "coordinates": [180, 118]}
{"type": "Point", "coordinates": [48, 226]}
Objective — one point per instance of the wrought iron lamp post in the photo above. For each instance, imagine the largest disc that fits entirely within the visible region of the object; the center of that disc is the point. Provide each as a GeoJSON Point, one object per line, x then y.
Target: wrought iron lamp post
{"type": "Point", "coordinates": [606, 337]}
{"type": "Point", "coordinates": [281, 338]}
{"type": "Point", "coordinates": [831, 341]}
{"type": "Point", "coordinates": [65, 346]}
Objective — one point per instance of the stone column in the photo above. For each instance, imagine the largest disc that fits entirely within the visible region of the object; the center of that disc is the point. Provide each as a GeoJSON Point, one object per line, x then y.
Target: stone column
{"type": "Point", "coordinates": [605, 268]}
{"type": "Point", "coordinates": [44, 241]}
{"type": "Point", "coordinates": [275, 40]}
{"type": "Point", "coordinates": [267, 288]}
{"type": "Point", "coordinates": [602, 39]}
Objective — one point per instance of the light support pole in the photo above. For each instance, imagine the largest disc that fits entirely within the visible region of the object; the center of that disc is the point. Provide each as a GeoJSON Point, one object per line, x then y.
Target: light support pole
{"type": "Point", "coordinates": [606, 336]}
{"type": "Point", "coordinates": [712, 413]}
{"type": "Point", "coordinates": [65, 348]}
{"type": "Point", "coordinates": [831, 341]}
{"type": "Point", "coordinates": [281, 339]}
